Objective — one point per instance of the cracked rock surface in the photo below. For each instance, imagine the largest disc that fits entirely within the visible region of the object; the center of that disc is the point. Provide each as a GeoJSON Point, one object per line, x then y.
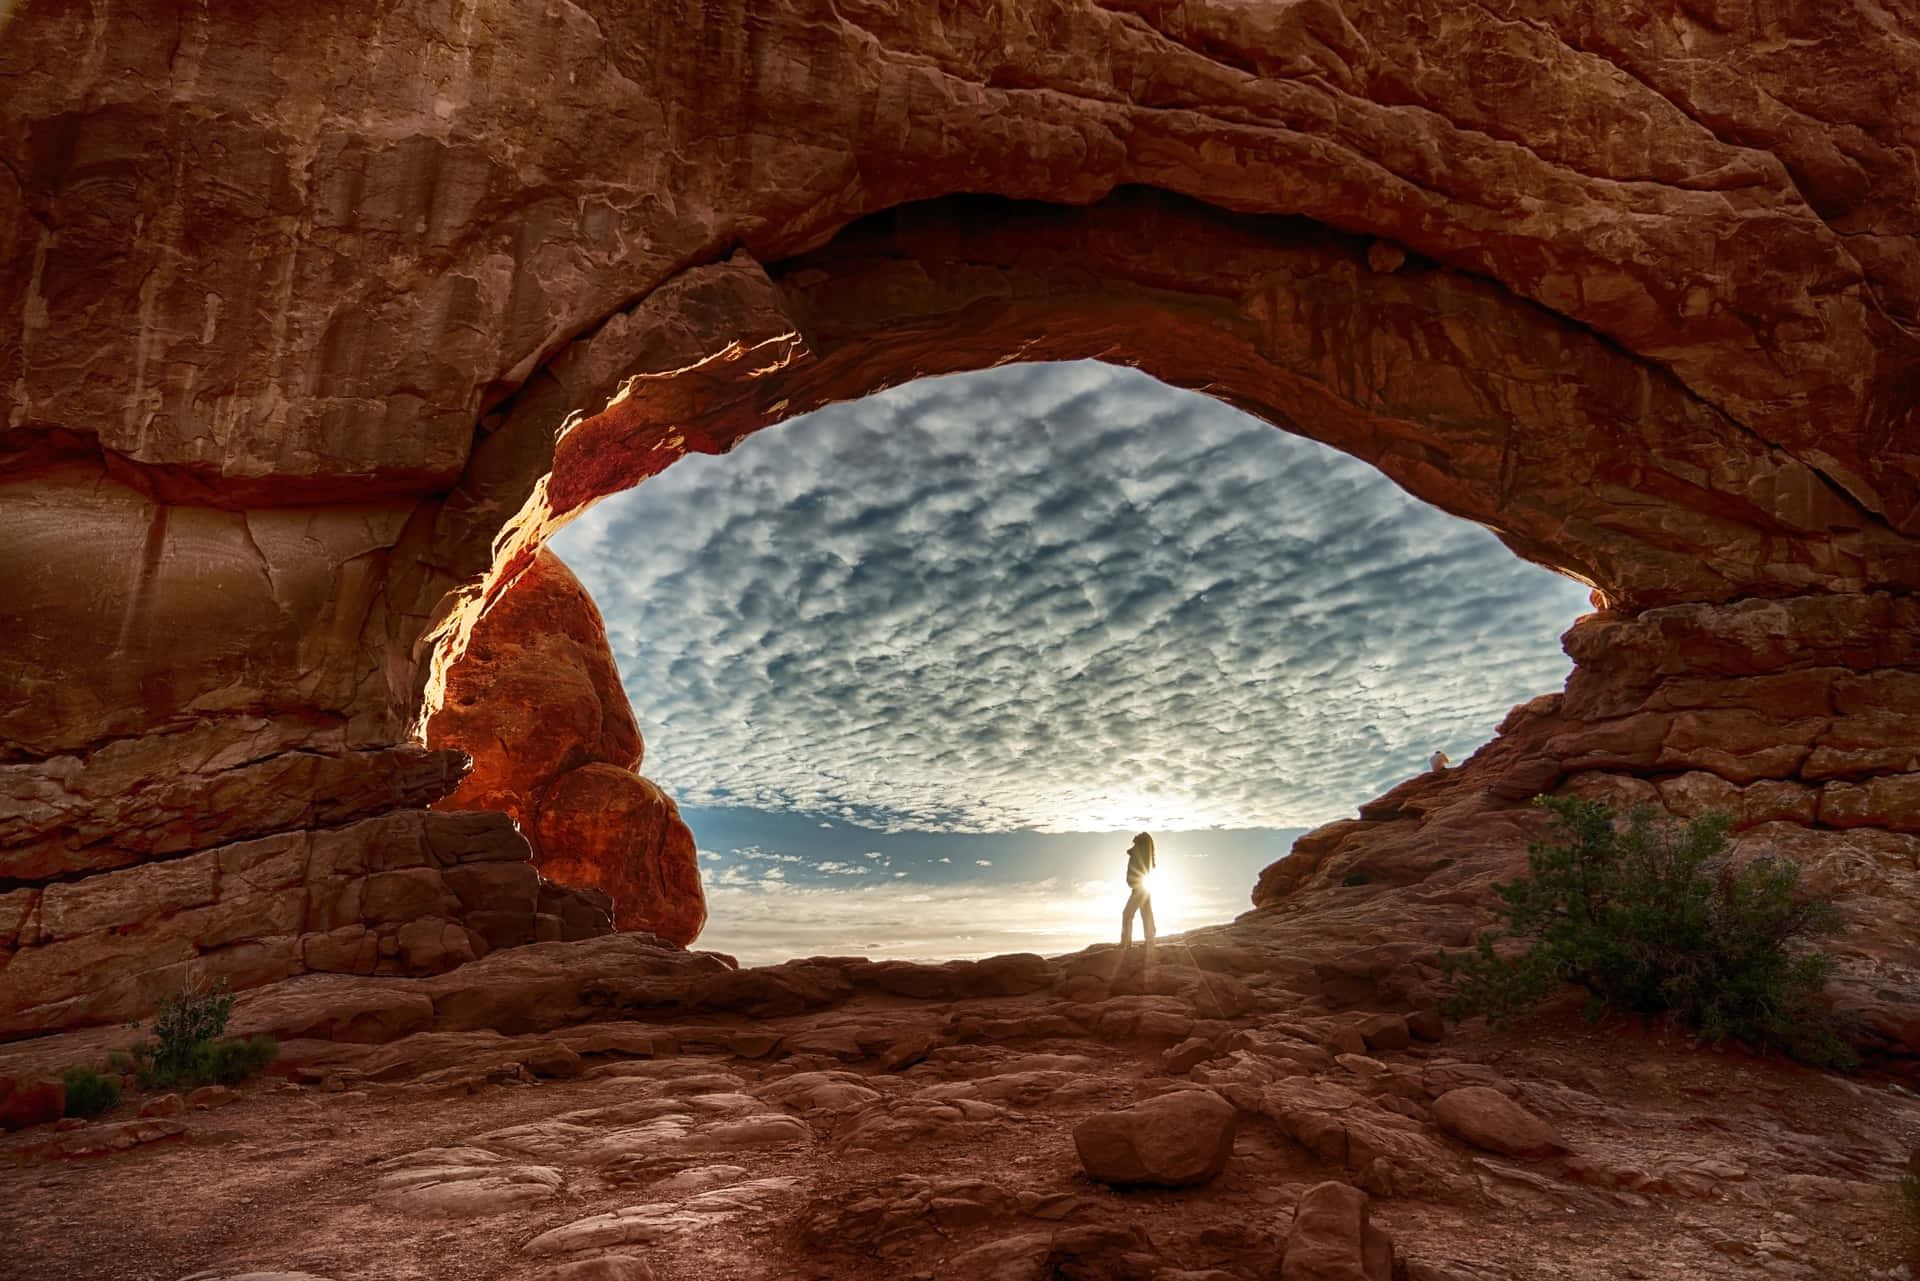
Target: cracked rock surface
{"type": "Point", "coordinates": [626, 1127]}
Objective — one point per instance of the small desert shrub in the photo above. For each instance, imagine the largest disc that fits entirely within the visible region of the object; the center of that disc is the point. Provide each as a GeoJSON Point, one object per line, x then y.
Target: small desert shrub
{"type": "Point", "coordinates": [231, 1061]}
{"type": "Point", "coordinates": [1652, 917]}
{"type": "Point", "coordinates": [89, 1091]}
{"type": "Point", "coordinates": [187, 1048]}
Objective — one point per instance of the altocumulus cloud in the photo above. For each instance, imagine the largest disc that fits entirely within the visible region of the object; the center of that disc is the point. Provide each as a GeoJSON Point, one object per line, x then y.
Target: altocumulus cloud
{"type": "Point", "coordinates": [1054, 598]}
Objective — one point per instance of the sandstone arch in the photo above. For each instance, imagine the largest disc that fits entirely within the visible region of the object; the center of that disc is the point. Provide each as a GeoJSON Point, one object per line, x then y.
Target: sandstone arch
{"type": "Point", "coordinates": [287, 342]}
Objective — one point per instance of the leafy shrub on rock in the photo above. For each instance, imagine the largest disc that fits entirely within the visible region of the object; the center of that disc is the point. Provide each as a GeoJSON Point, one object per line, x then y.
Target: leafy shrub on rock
{"type": "Point", "coordinates": [1653, 917]}
{"type": "Point", "coordinates": [187, 1047]}
{"type": "Point", "coordinates": [89, 1091]}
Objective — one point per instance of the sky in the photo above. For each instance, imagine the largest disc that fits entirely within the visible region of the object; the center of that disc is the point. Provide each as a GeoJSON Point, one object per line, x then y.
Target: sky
{"type": "Point", "coordinates": [916, 666]}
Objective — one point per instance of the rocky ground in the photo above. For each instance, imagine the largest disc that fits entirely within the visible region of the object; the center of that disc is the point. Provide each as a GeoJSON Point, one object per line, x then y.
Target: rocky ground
{"type": "Point", "coordinates": [650, 1113]}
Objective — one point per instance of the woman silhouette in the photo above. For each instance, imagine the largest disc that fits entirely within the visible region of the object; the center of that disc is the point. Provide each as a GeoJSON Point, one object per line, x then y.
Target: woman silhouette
{"type": "Point", "coordinates": [1139, 898]}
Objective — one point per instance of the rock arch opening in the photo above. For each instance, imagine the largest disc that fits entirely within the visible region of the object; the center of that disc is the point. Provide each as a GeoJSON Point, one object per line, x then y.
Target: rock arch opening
{"type": "Point", "coordinates": [1749, 648]}
{"type": "Point", "coordinates": [1041, 599]}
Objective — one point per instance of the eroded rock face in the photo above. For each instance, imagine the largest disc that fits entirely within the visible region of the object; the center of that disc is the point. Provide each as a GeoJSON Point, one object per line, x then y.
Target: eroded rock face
{"type": "Point", "coordinates": [1799, 717]}
{"type": "Point", "coordinates": [406, 892]}
{"type": "Point", "coordinates": [535, 696]}
{"type": "Point", "coordinates": [292, 316]}
{"type": "Point", "coordinates": [610, 829]}
{"type": "Point", "coordinates": [537, 702]}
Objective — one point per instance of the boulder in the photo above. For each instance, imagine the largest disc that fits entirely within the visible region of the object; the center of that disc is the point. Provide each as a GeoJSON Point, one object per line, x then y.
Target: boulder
{"type": "Point", "coordinates": [1174, 1140]}
{"type": "Point", "coordinates": [1484, 1117]}
{"type": "Point", "coordinates": [1183, 1057]}
{"type": "Point", "coordinates": [1332, 1238]}
{"type": "Point", "coordinates": [30, 1101]}
{"type": "Point", "coordinates": [605, 1267]}
{"type": "Point", "coordinates": [1386, 1032]}
{"type": "Point", "coordinates": [606, 828]}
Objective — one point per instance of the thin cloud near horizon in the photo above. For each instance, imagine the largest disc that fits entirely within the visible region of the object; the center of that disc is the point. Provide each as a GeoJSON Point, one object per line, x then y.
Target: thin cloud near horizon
{"type": "Point", "coordinates": [1054, 598]}
{"type": "Point", "coordinates": [760, 917]}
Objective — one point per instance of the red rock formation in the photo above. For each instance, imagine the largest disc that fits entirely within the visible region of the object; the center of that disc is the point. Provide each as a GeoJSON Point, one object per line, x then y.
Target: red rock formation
{"type": "Point", "coordinates": [891, 1125]}
{"type": "Point", "coordinates": [292, 319]}
{"type": "Point", "coordinates": [610, 829]}
{"type": "Point", "coordinates": [25, 1103]}
{"type": "Point", "coordinates": [1174, 1141]}
{"type": "Point", "coordinates": [537, 703]}
{"type": "Point", "coordinates": [536, 695]}
{"type": "Point", "coordinates": [1333, 1236]}
{"type": "Point", "coordinates": [411, 891]}
{"type": "Point", "coordinates": [1799, 717]}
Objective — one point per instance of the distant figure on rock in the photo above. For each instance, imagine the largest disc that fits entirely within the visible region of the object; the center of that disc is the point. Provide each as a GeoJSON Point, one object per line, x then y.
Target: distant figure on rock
{"type": "Point", "coordinates": [1437, 762]}
{"type": "Point", "coordinates": [1139, 897]}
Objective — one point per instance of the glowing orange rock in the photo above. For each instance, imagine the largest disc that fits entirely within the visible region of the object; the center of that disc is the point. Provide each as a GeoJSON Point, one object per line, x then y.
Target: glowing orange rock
{"type": "Point", "coordinates": [606, 828]}
{"type": "Point", "coordinates": [537, 703]}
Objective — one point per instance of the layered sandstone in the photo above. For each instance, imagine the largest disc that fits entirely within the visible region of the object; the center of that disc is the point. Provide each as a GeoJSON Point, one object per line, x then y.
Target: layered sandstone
{"type": "Point", "coordinates": [408, 891]}
{"type": "Point", "coordinates": [314, 327]}
{"type": "Point", "coordinates": [537, 703]}
{"type": "Point", "coordinates": [1800, 718]}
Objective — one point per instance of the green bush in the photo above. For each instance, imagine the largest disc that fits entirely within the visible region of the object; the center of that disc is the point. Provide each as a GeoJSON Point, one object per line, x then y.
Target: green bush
{"type": "Point", "coordinates": [190, 1018]}
{"type": "Point", "coordinates": [231, 1061]}
{"type": "Point", "coordinates": [1652, 917]}
{"type": "Point", "coordinates": [89, 1091]}
{"type": "Point", "coordinates": [186, 1046]}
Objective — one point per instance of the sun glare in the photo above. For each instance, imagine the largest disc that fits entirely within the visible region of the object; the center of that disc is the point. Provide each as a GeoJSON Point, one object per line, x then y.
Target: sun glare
{"type": "Point", "coordinates": [1165, 885]}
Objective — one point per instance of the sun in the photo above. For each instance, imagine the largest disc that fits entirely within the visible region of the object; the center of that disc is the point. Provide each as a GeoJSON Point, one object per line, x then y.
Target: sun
{"type": "Point", "coordinates": [1167, 888]}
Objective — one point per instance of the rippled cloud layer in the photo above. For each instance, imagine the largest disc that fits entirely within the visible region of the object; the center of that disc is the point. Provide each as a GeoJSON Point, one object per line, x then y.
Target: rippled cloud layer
{"type": "Point", "coordinates": [1054, 598]}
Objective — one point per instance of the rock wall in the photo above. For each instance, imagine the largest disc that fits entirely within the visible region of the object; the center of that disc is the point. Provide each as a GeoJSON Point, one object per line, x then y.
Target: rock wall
{"type": "Point", "coordinates": [410, 891]}
{"type": "Point", "coordinates": [1799, 717]}
{"type": "Point", "coordinates": [537, 703]}
{"type": "Point", "coordinates": [314, 323]}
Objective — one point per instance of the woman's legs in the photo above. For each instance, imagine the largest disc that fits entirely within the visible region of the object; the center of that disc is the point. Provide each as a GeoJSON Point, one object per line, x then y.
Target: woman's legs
{"type": "Point", "coordinates": [1142, 902]}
